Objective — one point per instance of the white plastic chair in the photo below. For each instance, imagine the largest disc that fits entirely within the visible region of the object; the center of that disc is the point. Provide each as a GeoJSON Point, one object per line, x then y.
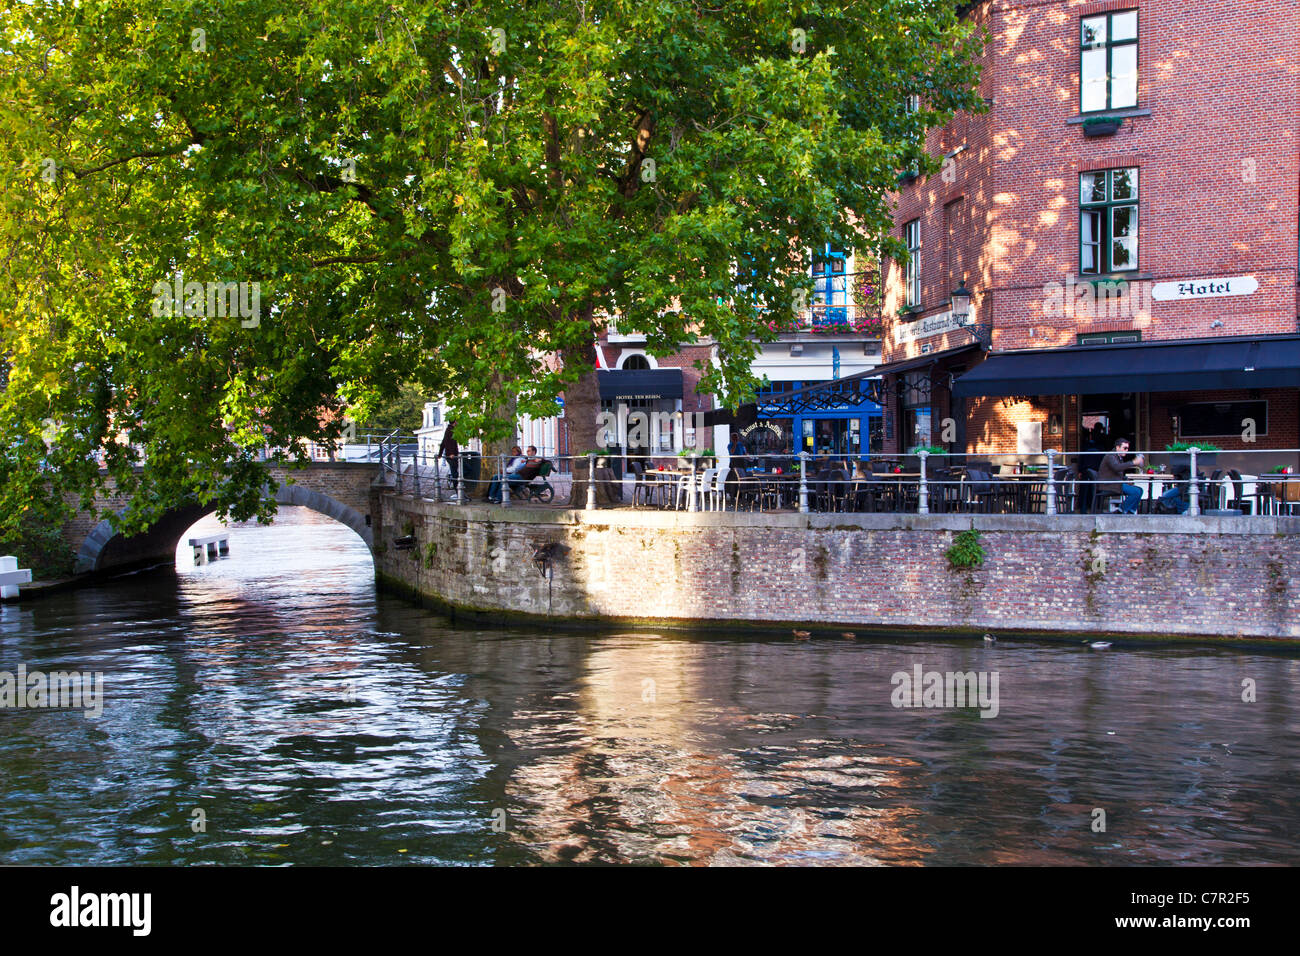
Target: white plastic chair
{"type": "Point", "coordinates": [705, 487]}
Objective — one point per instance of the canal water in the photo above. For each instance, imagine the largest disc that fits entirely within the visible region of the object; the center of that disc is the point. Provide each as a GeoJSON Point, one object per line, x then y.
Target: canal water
{"type": "Point", "coordinates": [272, 708]}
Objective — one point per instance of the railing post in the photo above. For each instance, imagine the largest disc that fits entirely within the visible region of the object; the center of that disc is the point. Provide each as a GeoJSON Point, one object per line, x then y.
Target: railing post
{"type": "Point", "coordinates": [803, 482]}
{"type": "Point", "coordinates": [437, 477]}
{"type": "Point", "coordinates": [923, 491]}
{"type": "Point", "coordinates": [690, 489]}
{"type": "Point", "coordinates": [415, 469]}
{"type": "Point", "coordinates": [504, 487]}
{"type": "Point", "coordinates": [1050, 507]}
{"type": "Point", "coordinates": [591, 481]}
{"type": "Point", "coordinates": [1193, 491]}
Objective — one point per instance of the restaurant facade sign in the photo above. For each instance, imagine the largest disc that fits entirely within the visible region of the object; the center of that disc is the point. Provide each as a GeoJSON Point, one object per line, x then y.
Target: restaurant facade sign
{"type": "Point", "coordinates": [1203, 288]}
{"type": "Point", "coordinates": [926, 328]}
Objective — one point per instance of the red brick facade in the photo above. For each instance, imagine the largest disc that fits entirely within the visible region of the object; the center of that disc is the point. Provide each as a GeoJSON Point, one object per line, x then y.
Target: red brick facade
{"type": "Point", "coordinates": [1215, 137]}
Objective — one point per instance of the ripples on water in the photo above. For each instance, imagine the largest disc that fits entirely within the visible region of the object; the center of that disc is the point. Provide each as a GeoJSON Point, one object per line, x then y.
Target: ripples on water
{"type": "Point", "coordinates": [314, 722]}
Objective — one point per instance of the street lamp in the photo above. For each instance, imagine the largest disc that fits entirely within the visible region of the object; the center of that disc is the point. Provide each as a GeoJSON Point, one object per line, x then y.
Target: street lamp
{"type": "Point", "coordinates": [960, 302]}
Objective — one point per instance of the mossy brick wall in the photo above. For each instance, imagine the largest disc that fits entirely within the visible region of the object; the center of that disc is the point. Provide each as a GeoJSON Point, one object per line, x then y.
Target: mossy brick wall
{"type": "Point", "coordinates": [1206, 577]}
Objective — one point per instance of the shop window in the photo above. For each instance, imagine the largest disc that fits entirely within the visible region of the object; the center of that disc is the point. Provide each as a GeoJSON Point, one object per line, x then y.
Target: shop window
{"type": "Point", "coordinates": [917, 413]}
{"type": "Point", "coordinates": [1220, 419]}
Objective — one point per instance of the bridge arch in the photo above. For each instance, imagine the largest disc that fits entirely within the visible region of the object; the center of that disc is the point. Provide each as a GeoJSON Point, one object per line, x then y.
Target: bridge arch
{"type": "Point", "coordinates": [105, 548]}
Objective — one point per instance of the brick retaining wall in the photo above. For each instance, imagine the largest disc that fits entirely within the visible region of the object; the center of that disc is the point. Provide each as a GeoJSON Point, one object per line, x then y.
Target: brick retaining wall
{"type": "Point", "coordinates": [1154, 576]}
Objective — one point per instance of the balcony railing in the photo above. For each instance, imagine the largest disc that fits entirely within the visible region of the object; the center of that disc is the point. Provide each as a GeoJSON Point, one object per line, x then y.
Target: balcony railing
{"type": "Point", "coordinates": [830, 320]}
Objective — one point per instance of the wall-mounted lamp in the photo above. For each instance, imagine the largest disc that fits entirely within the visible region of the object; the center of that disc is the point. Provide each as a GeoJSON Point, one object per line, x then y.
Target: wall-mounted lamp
{"type": "Point", "coordinates": [964, 314]}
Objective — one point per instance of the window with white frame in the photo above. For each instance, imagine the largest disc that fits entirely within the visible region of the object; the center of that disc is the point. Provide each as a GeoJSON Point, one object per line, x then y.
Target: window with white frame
{"type": "Point", "coordinates": [912, 236]}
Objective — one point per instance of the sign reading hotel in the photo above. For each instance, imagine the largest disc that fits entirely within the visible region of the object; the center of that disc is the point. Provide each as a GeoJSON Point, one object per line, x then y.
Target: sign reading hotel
{"type": "Point", "coordinates": [1203, 288]}
{"type": "Point", "coordinates": [927, 327]}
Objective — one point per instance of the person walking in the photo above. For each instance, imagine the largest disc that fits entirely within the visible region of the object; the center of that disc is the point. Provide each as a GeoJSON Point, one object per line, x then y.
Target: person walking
{"type": "Point", "coordinates": [450, 451]}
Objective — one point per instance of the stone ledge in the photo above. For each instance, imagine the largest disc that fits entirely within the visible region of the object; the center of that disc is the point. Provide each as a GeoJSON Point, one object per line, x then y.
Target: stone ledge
{"type": "Point", "coordinates": [1265, 525]}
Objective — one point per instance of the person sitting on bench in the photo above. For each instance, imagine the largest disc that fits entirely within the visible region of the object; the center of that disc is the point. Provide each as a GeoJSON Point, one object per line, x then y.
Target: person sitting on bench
{"type": "Point", "coordinates": [532, 468]}
{"type": "Point", "coordinates": [516, 464]}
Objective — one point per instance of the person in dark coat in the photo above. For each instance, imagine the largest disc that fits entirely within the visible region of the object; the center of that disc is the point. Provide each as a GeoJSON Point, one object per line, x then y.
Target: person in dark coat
{"type": "Point", "coordinates": [451, 452]}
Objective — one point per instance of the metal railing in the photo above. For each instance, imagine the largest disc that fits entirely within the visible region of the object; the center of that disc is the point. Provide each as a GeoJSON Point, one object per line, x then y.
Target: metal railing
{"type": "Point", "coordinates": [1050, 483]}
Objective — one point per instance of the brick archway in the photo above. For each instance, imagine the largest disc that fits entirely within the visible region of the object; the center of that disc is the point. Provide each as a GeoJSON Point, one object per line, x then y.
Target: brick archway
{"type": "Point", "coordinates": [162, 538]}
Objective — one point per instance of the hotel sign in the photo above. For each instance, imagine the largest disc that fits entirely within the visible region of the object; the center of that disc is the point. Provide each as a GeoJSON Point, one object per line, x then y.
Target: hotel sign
{"type": "Point", "coordinates": [926, 328]}
{"type": "Point", "coordinates": [1203, 288]}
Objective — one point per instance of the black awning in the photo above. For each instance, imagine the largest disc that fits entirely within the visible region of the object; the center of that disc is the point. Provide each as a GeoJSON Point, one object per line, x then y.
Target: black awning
{"type": "Point", "coordinates": [740, 418]}
{"type": "Point", "coordinates": [1269, 361]}
{"type": "Point", "coordinates": [640, 383]}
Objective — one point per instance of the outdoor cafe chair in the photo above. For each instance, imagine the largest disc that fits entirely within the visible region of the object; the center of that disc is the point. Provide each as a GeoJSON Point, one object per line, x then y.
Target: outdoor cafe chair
{"type": "Point", "coordinates": [984, 493]}
{"type": "Point", "coordinates": [1101, 500]}
{"type": "Point", "coordinates": [717, 490]}
{"type": "Point", "coordinates": [944, 490]}
{"type": "Point", "coordinates": [1246, 505]}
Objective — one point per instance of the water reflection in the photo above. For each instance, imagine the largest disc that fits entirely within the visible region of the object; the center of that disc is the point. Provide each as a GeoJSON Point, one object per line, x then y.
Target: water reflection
{"type": "Point", "coordinates": [310, 721]}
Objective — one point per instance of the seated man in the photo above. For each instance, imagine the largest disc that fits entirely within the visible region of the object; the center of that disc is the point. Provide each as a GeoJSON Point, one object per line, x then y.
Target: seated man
{"type": "Point", "coordinates": [532, 467]}
{"type": "Point", "coordinates": [1175, 499]}
{"type": "Point", "coordinates": [1111, 474]}
{"type": "Point", "coordinates": [516, 464]}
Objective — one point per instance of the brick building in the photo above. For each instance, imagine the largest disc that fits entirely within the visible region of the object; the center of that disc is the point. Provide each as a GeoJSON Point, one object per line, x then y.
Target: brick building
{"type": "Point", "coordinates": [836, 337]}
{"type": "Point", "coordinates": [1125, 215]}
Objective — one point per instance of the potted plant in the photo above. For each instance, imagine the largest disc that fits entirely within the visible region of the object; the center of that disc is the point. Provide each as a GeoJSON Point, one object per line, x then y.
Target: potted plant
{"type": "Point", "coordinates": [938, 458]}
{"type": "Point", "coordinates": [1102, 125]}
{"type": "Point", "coordinates": [1206, 454]}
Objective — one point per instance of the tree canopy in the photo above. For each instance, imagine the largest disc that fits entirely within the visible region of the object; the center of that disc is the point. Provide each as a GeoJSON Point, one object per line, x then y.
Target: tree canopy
{"type": "Point", "coordinates": [224, 222]}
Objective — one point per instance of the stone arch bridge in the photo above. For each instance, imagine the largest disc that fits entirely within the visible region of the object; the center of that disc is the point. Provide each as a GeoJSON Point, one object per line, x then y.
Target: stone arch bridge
{"type": "Point", "coordinates": [341, 490]}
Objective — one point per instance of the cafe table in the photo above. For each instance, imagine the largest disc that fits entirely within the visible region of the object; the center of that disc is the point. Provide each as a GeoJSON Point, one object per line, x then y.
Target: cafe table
{"type": "Point", "coordinates": [1152, 485]}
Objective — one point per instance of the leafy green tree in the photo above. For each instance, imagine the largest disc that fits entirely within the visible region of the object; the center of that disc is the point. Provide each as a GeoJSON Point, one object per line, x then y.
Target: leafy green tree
{"type": "Point", "coordinates": [402, 412]}
{"type": "Point", "coordinates": [452, 193]}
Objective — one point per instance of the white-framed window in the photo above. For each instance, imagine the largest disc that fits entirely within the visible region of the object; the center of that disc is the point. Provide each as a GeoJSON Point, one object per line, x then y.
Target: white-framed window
{"type": "Point", "coordinates": [912, 236]}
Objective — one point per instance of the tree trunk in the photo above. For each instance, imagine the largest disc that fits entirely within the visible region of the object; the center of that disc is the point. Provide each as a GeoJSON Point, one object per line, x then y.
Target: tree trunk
{"type": "Point", "coordinates": [581, 410]}
{"type": "Point", "coordinates": [495, 451]}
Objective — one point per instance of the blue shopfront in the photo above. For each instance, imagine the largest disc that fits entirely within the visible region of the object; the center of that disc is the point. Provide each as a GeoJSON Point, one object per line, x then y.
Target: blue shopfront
{"type": "Point", "coordinates": [833, 418]}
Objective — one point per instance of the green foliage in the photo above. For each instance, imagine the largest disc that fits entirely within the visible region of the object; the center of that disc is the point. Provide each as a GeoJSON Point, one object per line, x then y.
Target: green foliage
{"type": "Point", "coordinates": [1185, 445]}
{"type": "Point", "coordinates": [42, 549]}
{"type": "Point", "coordinates": [929, 449]}
{"type": "Point", "coordinates": [966, 551]}
{"type": "Point", "coordinates": [402, 411]}
{"type": "Point", "coordinates": [446, 195]}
